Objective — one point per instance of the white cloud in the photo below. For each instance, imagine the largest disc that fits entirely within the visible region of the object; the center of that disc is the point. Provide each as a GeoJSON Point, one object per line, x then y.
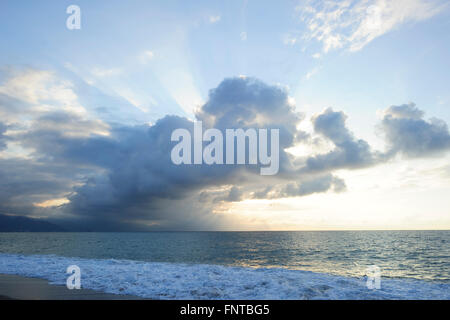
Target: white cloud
{"type": "Point", "coordinates": [311, 73]}
{"type": "Point", "coordinates": [31, 98]}
{"type": "Point", "coordinates": [352, 24]}
{"type": "Point", "coordinates": [214, 19]}
{"type": "Point", "coordinates": [289, 40]}
{"type": "Point", "coordinates": [102, 72]}
{"type": "Point", "coordinates": [243, 36]}
{"type": "Point", "coordinates": [37, 91]}
{"type": "Point", "coordinates": [146, 56]}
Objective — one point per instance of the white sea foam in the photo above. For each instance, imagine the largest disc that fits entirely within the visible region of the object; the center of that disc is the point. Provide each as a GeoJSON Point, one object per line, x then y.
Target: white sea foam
{"type": "Point", "coordinates": [199, 281]}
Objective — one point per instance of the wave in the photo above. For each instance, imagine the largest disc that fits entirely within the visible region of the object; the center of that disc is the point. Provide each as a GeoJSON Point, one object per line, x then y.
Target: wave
{"type": "Point", "coordinates": [156, 280]}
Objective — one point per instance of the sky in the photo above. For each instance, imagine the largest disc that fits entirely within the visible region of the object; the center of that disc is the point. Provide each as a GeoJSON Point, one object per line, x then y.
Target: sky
{"type": "Point", "coordinates": [359, 91]}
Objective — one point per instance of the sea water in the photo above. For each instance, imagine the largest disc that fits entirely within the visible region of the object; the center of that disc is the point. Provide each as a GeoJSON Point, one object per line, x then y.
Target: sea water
{"type": "Point", "coordinates": [239, 265]}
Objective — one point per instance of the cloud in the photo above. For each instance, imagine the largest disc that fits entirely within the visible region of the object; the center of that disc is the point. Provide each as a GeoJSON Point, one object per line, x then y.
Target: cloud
{"type": "Point", "coordinates": [352, 24]}
{"type": "Point", "coordinates": [67, 124]}
{"type": "Point", "coordinates": [349, 152]}
{"type": "Point", "coordinates": [146, 56]}
{"type": "Point", "coordinates": [102, 72]}
{"type": "Point", "coordinates": [3, 138]}
{"type": "Point", "coordinates": [246, 102]}
{"type": "Point", "coordinates": [408, 133]}
{"type": "Point", "coordinates": [307, 186]}
{"type": "Point", "coordinates": [25, 182]}
{"type": "Point", "coordinates": [121, 177]}
{"type": "Point", "coordinates": [311, 73]}
{"type": "Point", "coordinates": [141, 182]}
{"type": "Point", "coordinates": [289, 40]}
{"type": "Point", "coordinates": [36, 101]}
{"type": "Point", "coordinates": [28, 92]}
{"type": "Point", "coordinates": [214, 19]}
{"type": "Point", "coordinates": [320, 184]}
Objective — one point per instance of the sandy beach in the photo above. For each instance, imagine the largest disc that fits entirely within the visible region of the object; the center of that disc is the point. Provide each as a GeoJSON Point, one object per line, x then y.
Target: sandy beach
{"type": "Point", "coordinates": [22, 288]}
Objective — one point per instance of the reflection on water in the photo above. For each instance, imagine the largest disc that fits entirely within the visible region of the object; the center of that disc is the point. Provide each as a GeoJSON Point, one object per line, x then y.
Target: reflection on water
{"type": "Point", "coordinates": [410, 254]}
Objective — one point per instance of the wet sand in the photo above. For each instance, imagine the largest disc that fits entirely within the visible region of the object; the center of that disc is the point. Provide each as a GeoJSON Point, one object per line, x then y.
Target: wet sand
{"type": "Point", "coordinates": [22, 288]}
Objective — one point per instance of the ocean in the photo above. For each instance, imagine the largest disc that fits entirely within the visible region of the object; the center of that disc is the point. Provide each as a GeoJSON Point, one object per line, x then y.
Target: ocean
{"type": "Point", "coordinates": [239, 265]}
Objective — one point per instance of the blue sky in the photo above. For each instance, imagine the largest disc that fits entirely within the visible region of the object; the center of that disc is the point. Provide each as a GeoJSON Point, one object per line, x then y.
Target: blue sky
{"type": "Point", "coordinates": [203, 40]}
{"type": "Point", "coordinates": [134, 62]}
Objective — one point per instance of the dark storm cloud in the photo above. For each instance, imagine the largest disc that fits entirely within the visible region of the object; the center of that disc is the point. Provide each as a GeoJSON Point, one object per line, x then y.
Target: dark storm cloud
{"type": "Point", "coordinates": [141, 172]}
{"type": "Point", "coordinates": [232, 195]}
{"type": "Point", "coordinates": [349, 152]}
{"type": "Point", "coordinates": [24, 182]}
{"type": "Point", "coordinates": [121, 177]}
{"type": "Point", "coordinates": [250, 103]}
{"type": "Point", "coordinates": [317, 184]}
{"type": "Point", "coordinates": [62, 137]}
{"type": "Point", "coordinates": [407, 132]}
{"type": "Point", "coordinates": [134, 179]}
{"type": "Point", "coordinates": [140, 177]}
{"type": "Point", "coordinates": [307, 186]}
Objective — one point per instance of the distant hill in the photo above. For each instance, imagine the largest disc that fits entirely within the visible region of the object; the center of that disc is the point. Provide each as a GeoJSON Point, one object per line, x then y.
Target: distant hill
{"type": "Point", "coordinates": [24, 224]}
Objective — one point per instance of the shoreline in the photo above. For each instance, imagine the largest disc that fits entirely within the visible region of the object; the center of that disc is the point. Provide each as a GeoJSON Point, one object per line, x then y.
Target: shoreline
{"type": "Point", "coordinates": [14, 287]}
{"type": "Point", "coordinates": [128, 279]}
